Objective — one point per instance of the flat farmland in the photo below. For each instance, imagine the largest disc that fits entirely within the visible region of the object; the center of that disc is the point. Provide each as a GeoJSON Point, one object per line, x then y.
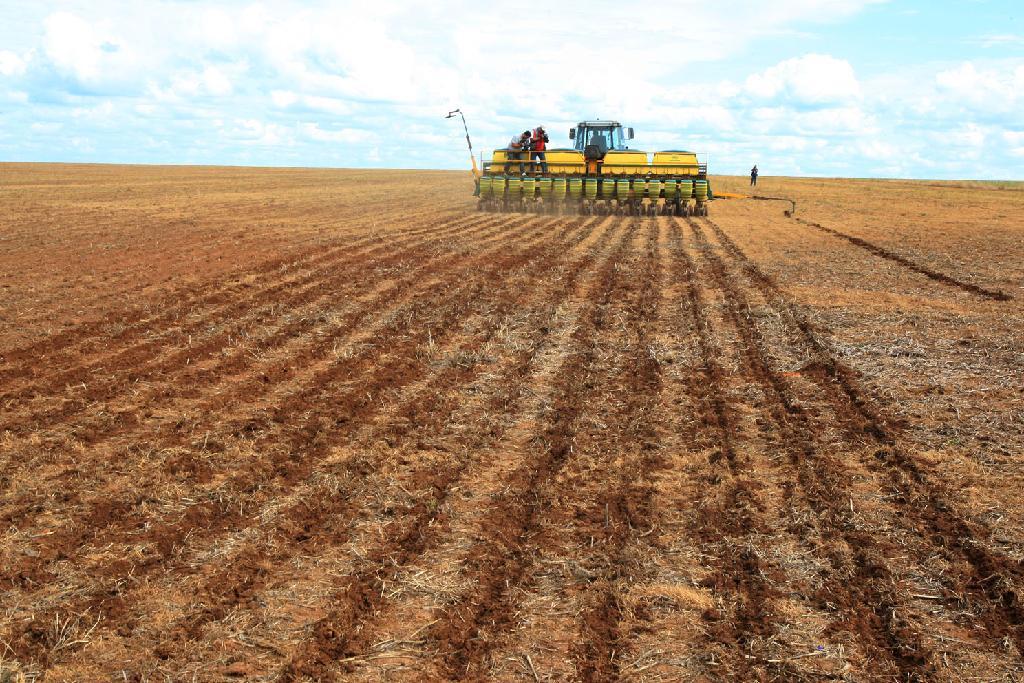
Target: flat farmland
{"type": "Point", "coordinates": [304, 425]}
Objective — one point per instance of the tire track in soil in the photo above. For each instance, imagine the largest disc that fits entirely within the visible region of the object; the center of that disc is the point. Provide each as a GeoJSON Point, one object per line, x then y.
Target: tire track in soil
{"type": "Point", "coordinates": [142, 360]}
{"type": "Point", "coordinates": [870, 604]}
{"type": "Point", "coordinates": [333, 522]}
{"type": "Point", "coordinates": [623, 509]}
{"type": "Point", "coordinates": [497, 561]}
{"type": "Point", "coordinates": [101, 518]}
{"type": "Point", "coordinates": [738, 518]}
{"type": "Point", "coordinates": [340, 634]}
{"type": "Point", "coordinates": [358, 404]}
{"type": "Point", "coordinates": [179, 302]}
{"type": "Point", "coordinates": [994, 579]}
{"type": "Point", "coordinates": [882, 252]}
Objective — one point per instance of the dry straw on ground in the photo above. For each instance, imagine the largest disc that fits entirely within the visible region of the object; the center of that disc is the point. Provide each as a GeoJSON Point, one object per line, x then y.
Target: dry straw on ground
{"type": "Point", "coordinates": [336, 437]}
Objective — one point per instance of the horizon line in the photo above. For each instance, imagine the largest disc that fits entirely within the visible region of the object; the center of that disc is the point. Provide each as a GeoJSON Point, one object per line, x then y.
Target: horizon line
{"type": "Point", "coordinates": [450, 170]}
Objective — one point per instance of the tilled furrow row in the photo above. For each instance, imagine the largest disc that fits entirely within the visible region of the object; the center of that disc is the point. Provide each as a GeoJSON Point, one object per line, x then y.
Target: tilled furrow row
{"type": "Point", "coordinates": [139, 321]}
{"type": "Point", "coordinates": [247, 378]}
{"type": "Point", "coordinates": [140, 359]}
{"type": "Point", "coordinates": [869, 600]}
{"type": "Point", "coordinates": [124, 325]}
{"type": "Point", "coordinates": [315, 409]}
{"type": "Point", "coordinates": [504, 418]}
{"type": "Point", "coordinates": [333, 517]}
{"type": "Point", "coordinates": [737, 517]}
{"type": "Point", "coordinates": [228, 379]}
{"type": "Point", "coordinates": [712, 386]}
{"type": "Point", "coordinates": [990, 578]}
{"type": "Point", "coordinates": [497, 560]}
{"type": "Point", "coordinates": [630, 455]}
{"type": "Point", "coordinates": [339, 634]}
{"type": "Point", "coordinates": [100, 518]}
{"type": "Point", "coordinates": [127, 288]}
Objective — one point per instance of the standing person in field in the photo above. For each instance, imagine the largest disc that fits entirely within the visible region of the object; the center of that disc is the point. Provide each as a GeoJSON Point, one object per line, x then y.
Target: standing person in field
{"type": "Point", "coordinates": [516, 145]}
{"type": "Point", "coordinates": [538, 142]}
{"type": "Point", "coordinates": [753, 176]}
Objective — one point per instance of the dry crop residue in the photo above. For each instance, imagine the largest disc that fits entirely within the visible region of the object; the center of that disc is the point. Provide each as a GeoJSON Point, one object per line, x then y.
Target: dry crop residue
{"type": "Point", "coordinates": [272, 425]}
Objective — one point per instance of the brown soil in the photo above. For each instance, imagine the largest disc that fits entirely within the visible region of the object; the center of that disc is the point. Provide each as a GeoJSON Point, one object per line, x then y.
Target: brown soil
{"type": "Point", "coordinates": [308, 425]}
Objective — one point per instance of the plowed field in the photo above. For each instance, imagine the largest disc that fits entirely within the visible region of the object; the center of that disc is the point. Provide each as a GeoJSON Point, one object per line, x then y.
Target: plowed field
{"type": "Point", "coordinates": [293, 425]}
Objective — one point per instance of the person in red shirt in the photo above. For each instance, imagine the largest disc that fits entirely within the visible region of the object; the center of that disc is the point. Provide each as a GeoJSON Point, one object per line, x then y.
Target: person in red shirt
{"type": "Point", "coordinates": [537, 144]}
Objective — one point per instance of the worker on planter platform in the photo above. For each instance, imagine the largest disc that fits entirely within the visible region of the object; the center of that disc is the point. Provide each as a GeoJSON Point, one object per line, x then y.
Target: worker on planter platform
{"type": "Point", "coordinates": [516, 146]}
{"type": "Point", "coordinates": [538, 141]}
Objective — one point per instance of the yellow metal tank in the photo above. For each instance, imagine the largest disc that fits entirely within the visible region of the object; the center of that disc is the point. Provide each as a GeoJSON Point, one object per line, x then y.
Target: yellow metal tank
{"type": "Point", "coordinates": [564, 161]}
{"type": "Point", "coordinates": [675, 163]}
{"type": "Point", "coordinates": [624, 162]}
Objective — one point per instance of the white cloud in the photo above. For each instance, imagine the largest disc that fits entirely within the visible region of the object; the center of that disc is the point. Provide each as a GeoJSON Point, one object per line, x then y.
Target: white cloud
{"type": "Point", "coordinates": [83, 144]}
{"type": "Point", "coordinates": [77, 46]}
{"type": "Point", "coordinates": [108, 55]}
{"type": "Point", "coordinates": [811, 79]}
{"type": "Point", "coordinates": [995, 90]}
{"type": "Point", "coordinates": [11, 64]}
{"type": "Point", "coordinates": [100, 112]}
{"type": "Point", "coordinates": [257, 132]}
{"type": "Point", "coordinates": [218, 28]}
{"type": "Point", "coordinates": [1013, 137]}
{"type": "Point", "coordinates": [352, 136]}
{"type": "Point", "coordinates": [283, 98]}
{"type": "Point", "coordinates": [188, 85]}
{"type": "Point", "coordinates": [969, 135]}
{"type": "Point", "coordinates": [880, 150]}
{"type": "Point", "coordinates": [330, 105]}
{"type": "Point", "coordinates": [215, 82]}
{"type": "Point", "coordinates": [207, 81]}
{"type": "Point", "coordinates": [851, 120]}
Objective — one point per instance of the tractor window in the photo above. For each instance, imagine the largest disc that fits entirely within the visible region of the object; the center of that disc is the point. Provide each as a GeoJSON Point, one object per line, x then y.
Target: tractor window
{"type": "Point", "coordinates": [605, 138]}
{"type": "Point", "coordinates": [599, 137]}
{"type": "Point", "coordinates": [616, 141]}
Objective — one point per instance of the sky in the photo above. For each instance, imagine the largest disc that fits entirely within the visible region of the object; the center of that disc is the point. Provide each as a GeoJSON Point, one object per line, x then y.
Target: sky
{"type": "Point", "coordinates": [859, 88]}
